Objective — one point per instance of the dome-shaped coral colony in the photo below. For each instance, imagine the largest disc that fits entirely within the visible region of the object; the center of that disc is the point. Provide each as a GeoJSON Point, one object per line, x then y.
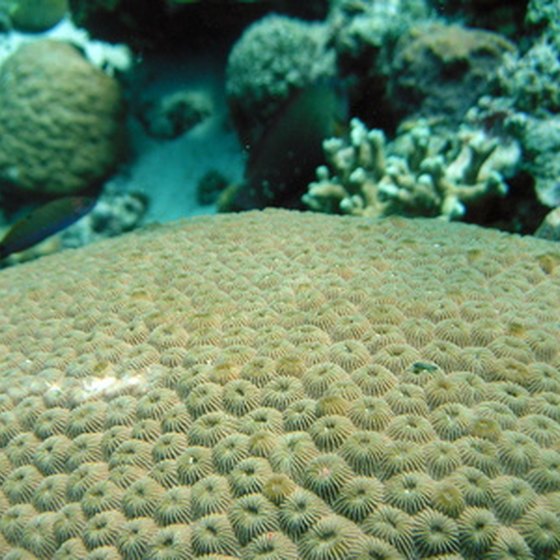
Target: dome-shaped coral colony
{"type": "Point", "coordinates": [280, 386]}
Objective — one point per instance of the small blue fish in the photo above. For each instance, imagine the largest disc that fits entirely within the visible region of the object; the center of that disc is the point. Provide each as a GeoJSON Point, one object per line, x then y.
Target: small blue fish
{"type": "Point", "coordinates": [44, 222]}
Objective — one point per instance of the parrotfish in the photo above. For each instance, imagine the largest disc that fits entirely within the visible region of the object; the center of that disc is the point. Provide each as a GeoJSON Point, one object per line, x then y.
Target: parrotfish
{"type": "Point", "coordinates": [43, 222]}
{"type": "Point", "coordinates": [283, 162]}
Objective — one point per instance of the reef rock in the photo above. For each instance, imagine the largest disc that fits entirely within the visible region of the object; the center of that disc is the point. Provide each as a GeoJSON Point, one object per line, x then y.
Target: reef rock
{"type": "Point", "coordinates": [443, 69]}
{"type": "Point", "coordinates": [173, 114]}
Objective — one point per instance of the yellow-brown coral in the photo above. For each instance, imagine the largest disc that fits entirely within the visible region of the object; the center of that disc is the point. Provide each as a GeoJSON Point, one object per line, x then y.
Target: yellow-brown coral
{"type": "Point", "coordinates": [403, 414]}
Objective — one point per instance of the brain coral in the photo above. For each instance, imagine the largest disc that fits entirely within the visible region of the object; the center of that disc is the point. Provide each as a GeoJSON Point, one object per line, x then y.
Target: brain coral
{"type": "Point", "coordinates": [60, 120]}
{"type": "Point", "coordinates": [283, 385]}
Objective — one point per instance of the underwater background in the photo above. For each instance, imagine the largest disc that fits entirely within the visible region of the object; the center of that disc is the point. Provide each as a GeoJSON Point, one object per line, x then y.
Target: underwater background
{"type": "Point", "coordinates": [279, 280]}
{"type": "Point", "coordinates": [160, 110]}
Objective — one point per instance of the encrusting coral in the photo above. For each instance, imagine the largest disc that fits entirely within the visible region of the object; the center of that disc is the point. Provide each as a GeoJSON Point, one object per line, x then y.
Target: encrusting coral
{"type": "Point", "coordinates": [420, 173]}
{"type": "Point", "coordinates": [345, 394]}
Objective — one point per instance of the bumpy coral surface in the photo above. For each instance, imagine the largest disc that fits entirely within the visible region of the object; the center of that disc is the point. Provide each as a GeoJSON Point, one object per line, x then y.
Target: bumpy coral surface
{"type": "Point", "coordinates": [283, 385]}
{"type": "Point", "coordinates": [60, 120]}
{"type": "Point", "coordinates": [274, 57]}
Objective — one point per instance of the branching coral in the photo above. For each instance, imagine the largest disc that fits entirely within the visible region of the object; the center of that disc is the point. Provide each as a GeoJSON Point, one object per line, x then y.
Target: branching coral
{"type": "Point", "coordinates": [420, 173]}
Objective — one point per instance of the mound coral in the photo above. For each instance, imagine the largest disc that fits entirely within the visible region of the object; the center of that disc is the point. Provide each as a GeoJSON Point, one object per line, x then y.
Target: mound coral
{"type": "Point", "coordinates": [443, 69]}
{"type": "Point", "coordinates": [255, 449]}
{"type": "Point", "coordinates": [61, 127]}
{"type": "Point", "coordinates": [29, 15]}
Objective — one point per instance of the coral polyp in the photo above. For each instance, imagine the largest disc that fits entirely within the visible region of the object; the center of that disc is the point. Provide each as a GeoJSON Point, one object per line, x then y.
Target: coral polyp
{"type": "Point", "coordinates": [300, 511]}
{"type": "Point", "coordinates": [331, 537]}
{"type": "Point", "coordinates": [251, 516]}
{"type": "Point", "coordinates": [359, 497]}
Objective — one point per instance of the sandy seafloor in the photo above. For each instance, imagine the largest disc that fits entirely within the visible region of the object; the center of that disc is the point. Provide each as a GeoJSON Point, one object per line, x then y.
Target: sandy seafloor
{"type": "Point", "coordinates": [168, 171]}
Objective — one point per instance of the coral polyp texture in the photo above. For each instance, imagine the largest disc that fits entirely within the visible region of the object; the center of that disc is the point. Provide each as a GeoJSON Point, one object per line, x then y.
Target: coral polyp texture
{"type": "Point", "coordinates": [283, 385]}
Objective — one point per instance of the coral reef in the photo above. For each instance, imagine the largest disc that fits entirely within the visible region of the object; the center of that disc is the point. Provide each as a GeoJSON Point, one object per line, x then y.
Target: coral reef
{"type": "Point", "coordinates": [206, 389]}
{"type": "Point", "coordinates": [420, 173]}
{"type": "Point", "coordinates": [369, 27]}
{"type": "Point", "coordinates": [525, 106]}
{"type": "Point", "coordinates": [61, 128]}
{"type": "Point", "coordinates": [536, 131]}
{"type": "Point", "coordinates": [544, 16]}
{"type": "Point", "coordinates": [364, 35]}
{"type": "Point", "coordinates": [405, 59]}
{"type": "Point", "coordinates": [540, 140]}
{"type": "Point", "coordinates": [530, 81]}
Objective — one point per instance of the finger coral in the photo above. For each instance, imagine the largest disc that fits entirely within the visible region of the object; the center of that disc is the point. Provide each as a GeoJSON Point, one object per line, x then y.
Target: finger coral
{"type": "Point", "coordinates": [336, 388]}
{"type": "Point", "coordinates": [420, 173]}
